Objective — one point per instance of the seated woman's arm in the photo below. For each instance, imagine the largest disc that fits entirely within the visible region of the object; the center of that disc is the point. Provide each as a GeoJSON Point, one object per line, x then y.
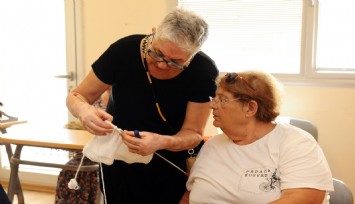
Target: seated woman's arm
{"type": "Point", "coordinates": [301, 195]}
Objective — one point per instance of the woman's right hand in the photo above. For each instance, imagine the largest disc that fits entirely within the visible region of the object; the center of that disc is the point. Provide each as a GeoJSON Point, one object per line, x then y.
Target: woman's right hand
{"type": "Point", "coordinates": [93, 119]}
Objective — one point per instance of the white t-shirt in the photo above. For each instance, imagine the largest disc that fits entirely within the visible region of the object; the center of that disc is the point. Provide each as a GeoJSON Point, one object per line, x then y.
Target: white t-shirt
{"type": "Point", "coordinates": [287, 157]}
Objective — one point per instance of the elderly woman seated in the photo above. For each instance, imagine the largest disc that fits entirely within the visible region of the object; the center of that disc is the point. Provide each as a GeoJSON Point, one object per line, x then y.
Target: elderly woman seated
{"type": "Point", "coordinates": [255, 159]}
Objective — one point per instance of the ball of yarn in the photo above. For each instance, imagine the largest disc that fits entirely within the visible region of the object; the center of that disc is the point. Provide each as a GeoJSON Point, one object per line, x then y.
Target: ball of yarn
{"type": "Point", "coordinates": [73, 184]}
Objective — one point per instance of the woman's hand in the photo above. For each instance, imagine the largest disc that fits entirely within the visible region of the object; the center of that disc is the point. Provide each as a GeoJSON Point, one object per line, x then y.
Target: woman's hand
{"type": "Point", "coordinates": [147, 144]}
{"type": "Point", "coordinates": [93, 119]}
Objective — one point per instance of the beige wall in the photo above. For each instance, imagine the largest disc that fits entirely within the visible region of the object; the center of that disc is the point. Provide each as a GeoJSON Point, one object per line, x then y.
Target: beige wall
{"type": "Point", "coordinates": [332, 109]}
{"type": "Point", "coordinates": [104, 21]}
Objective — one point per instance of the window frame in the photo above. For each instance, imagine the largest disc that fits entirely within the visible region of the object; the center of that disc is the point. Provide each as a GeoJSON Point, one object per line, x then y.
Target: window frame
{"type": "Point", "coordinates": [309, 75]}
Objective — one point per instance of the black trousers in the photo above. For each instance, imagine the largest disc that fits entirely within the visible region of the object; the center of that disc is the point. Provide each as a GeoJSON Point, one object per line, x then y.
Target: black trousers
{"type": "Point", "coordinates": [3, 197]}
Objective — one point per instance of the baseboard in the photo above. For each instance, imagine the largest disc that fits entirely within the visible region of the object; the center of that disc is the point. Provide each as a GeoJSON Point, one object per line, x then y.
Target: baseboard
{"type": "Point", "coordinates": [31, 187]}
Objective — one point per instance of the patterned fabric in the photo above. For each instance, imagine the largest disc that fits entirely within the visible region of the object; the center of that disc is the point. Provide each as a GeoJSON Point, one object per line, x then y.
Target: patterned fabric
{"type": "Point", "coordinates": [87, 180]}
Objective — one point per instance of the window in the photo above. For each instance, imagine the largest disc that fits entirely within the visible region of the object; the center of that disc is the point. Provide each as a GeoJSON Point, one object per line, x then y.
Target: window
{"type": "Point", "coordinates": [296, 40]}
{"type": "Point", "coordinates": [336, 36]}
{"type": "Point", "coordinates": [33, 50]}
{"type": "Point", "coordinates": [34, 39]}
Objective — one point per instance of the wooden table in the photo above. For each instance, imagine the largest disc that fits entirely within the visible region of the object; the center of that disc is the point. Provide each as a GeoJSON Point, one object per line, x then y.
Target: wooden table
{"type": "Point", "coordinates": [24, 135]}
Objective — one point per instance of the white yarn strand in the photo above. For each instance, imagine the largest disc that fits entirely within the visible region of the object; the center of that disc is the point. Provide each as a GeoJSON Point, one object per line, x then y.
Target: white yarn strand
{"type": "Point", "coordinates": [103, 183]}
{"type": "Point", "coordinates": [174, 165]}
{"type": "Point", "coordinates": [73, 183]}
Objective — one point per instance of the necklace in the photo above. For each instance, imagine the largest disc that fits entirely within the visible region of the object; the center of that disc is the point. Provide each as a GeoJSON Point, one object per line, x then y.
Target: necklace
{"type": "Point", "coordinates": [145, 65]}
{"type": "Point", "coordinates": [144, 50]}
{"type": "Point", "coordinates": [145, 44]}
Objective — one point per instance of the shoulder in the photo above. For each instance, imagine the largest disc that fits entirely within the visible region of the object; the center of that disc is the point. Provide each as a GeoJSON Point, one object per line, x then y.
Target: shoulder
{"type": "Point", "coordinates": [115, 60]}
{"type": "Point", "coordinates": [199, 78]}
{"type": "Point", "coordinates": [293, 133]}
{"type": "Point", "coordinates": [121, 46]}
{"type": "Point", "coordinates": [214, 144]}
{"type": "Point", "coordinates": [286, 138]}
{"type": "Point", "coordinates": [217, 140]}
{"type": "Point", "coordinates": [204, 64]}
{"type": "Point", "coordinates": [302, 162]}
{"type": "Point", "coordinates": [293, 142]}
{"type": "Point", "coordinates": [202, 70]}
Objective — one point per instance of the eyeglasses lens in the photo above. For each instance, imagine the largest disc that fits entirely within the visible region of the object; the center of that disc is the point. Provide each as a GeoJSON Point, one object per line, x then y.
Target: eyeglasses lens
{"type": "Point", "coordinates": [159, 58]}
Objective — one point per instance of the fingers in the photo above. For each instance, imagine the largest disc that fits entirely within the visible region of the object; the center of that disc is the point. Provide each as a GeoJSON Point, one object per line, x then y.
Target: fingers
{"type": "Point", "coordinates": [129, 139]}
{"type": "Point", "coordinates": [96, 129]}
{"type": "Point", "coordinates": [133, 143]}
{"type": "Point", "coordinates": [133, 146]}
{"type": "Point", "coordinates": [137, 145]}
{"type": "Point", "coordinates": [136, 134]}
{"type": "Point", "coordinates": [104, 115]}
{"type": "Point", "coordinates": [93, 120]}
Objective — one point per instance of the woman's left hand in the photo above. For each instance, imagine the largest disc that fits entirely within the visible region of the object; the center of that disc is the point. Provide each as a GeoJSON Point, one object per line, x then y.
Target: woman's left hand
{"type": "Point", "coordinates": [147, 144]}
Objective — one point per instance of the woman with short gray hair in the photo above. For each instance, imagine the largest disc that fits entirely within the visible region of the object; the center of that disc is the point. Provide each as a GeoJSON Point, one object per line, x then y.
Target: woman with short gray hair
{"type": "Point", "coordinates": [161, 83]}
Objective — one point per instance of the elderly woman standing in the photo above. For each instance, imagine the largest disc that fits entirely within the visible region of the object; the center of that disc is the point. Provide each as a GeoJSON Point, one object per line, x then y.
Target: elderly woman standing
{"type": "Point", "coordinates": [255, 159]}
{"type": "Point", "coordinates": [161, 83]}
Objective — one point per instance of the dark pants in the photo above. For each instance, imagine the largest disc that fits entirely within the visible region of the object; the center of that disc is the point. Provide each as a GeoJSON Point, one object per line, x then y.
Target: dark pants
{"type": "Point", "coordinates": [3, 197]}
{"type": "Point", "coordinates": [155, 183]}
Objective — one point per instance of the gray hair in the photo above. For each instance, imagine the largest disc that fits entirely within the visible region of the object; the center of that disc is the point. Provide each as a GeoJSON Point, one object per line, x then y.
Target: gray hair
{"type": "Point", "coordinates": [184, 28]}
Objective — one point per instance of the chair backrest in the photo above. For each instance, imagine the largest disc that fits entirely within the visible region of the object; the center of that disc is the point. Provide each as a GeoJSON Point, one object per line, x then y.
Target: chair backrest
{"type": "Point", "coordinates": [306, 125]}
{"type": "Point", "coordinates": [341, 194]}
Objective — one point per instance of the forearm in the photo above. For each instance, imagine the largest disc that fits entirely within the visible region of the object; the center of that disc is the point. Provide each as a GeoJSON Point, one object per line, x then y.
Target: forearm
{"type": "Point", "coordinates": [184, 139]}
{"type": "Point", "coordinates": [301, 195]}
{"type": "Point", "coordinates": [75, 103]}
{"type": "Point", "coordinates": [83, 96]}
{"type": "Point", "coordinates": [191, 133]}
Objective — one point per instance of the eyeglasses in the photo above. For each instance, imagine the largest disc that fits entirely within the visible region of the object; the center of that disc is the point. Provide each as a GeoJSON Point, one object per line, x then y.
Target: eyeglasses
{"type": "Point", "coordinates": [222, 101]}
{"type": "Point", "coordinates": [232, 77]}
{"type": "Point", "coordinates": [160, 58]}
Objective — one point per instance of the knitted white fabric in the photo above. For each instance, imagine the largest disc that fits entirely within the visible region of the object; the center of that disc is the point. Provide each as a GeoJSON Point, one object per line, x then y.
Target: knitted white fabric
{"type": "Point", "coordinates": [106, 149]}
{"type": "Point", "coordinates": [102, 148]}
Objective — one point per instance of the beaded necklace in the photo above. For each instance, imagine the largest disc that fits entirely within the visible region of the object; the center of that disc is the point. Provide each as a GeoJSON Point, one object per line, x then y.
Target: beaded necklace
{"type": "Point", "coordinates": [191, 152]}
{"type": "Point", "coordinates": [144, 45]}
{"type": "Point", "coordinates": [145, 65]}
